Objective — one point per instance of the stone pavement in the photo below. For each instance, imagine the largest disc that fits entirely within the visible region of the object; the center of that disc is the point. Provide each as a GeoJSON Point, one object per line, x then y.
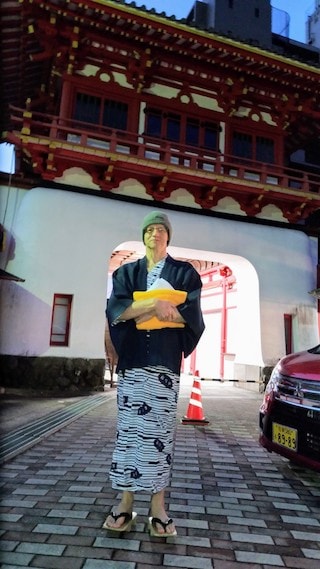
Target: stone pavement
{"type": "Point", "coordinates": [235, 506]}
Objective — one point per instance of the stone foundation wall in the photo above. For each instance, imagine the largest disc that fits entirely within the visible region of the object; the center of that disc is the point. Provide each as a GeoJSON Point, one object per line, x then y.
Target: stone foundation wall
{"type": "Point", "coordinates": [52, 374]}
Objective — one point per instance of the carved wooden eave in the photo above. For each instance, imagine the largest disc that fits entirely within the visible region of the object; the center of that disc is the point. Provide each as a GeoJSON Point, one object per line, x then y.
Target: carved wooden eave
{"type": "Point", "coordinates": [60, 37]}
{"type": "Point", "coordinates": [68, 34]}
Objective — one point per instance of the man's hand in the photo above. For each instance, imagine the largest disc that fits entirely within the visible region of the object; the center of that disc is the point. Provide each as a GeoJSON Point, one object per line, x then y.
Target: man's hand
{"type": "Point", "coordinates": [144, 317]}
{"type": "Point", "coordinates": [165, 311]}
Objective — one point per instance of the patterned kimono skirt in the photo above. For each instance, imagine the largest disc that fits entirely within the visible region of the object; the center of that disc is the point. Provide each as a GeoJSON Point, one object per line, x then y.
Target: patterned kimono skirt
{"type": "Point", "coordinates": [147, 405]}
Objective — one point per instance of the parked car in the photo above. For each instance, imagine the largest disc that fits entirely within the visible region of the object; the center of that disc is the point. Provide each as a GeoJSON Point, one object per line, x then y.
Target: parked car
{"type": "Point", "coordinates": [290, 411]}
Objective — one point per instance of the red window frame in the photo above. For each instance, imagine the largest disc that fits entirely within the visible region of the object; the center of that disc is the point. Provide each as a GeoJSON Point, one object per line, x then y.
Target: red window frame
{"type": "Point", "coordinates": [255, 146]}
{"type": "Point", "coordinates": [175, 126]}
{"type": "Point", "coordinates": [287, 320]}
{"type": "Point", "coordinates": [258, 136]}
{"type": "Point", "coordinates": [60, 320]}
{"type": "Point", "coordinates": [103, 111]}
{"type": "Point", "coordinates": [87, 86]}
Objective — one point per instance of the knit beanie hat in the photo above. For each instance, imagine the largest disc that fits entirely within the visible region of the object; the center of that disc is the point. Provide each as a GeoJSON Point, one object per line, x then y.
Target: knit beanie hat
{"type": "Point", "coordinates": [156, 217]}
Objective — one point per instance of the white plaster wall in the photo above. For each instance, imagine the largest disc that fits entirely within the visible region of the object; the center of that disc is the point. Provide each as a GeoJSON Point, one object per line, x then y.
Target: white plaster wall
{"type": "Point", "coordinates": [64, 241]}
{"type": "Point", "coordinates": [10, 200]}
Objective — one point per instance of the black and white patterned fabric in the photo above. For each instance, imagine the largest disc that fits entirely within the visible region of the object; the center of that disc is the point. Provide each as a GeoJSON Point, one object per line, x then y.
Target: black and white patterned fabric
{"type": "Point", "coordinates": [147, 403]}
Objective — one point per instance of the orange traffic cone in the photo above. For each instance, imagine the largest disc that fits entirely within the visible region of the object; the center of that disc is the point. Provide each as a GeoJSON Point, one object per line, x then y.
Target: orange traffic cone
{"type": "Point", "coordinates": [195, 414]}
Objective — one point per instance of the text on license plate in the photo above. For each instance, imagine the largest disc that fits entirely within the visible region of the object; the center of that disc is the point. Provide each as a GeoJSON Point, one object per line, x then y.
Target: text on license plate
{"type": "Point", "coordinates": [285, 436]}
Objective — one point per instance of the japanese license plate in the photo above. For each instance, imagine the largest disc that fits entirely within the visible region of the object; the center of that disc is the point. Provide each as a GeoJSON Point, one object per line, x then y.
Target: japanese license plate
{"type": "Point", "coordinates": [285, 436]}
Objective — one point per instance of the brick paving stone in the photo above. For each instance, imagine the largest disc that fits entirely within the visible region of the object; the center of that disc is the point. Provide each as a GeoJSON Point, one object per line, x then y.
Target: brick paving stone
{"type": "Point", "coordinates": [293, 507]}
{"type": "Point", "coordinates": [144, 566]}
{"type": "Point", "coordinates": [222, 564]}
{"type": "Point", "coordinates": [117, 543]}
{"type": "Point", "coordinates": [155, 545]}
{"type": "Point", "coordinates": [239, 496]}
{"type": "Point", "coordinates": [8, 475]}
{"type": "Point", "coordinates": [86, 552]}
{"type": "Point", "coordinates": [7, 545]}
{"type": "Point", "coordinates": [97, 564]}
{"type": "Point", "coordinates": [30, 491]}
{"type": "Point", "coordinates": [68, 514]}
{"type": "Point", "coordinates": [10, 518]}
{"type": "Point", "coordinates": [14, 566]}
{"type": "Point", "coordinates": [54, 528]}
{"type": "Point", "coordinates": [298, 563]}
{"type": "Point", "coordinates": [177, 508]}
{"type": "Point", "coordinates": [188, 562]}
{"type": "Point", "coordinates": [137, 557]}
{"type": "Point", "coordinates": [295, 520]}
{"type": "Point", "coordinates": [18, 503]}
{"type": "Point", "coordinates": [21, 536]}
{"type": "Point", "coordinates": [251, 538]}
{"type": "Point", "coordinates": [305, 535]}
{"type": "Point", "coordinates": [40, 548]}
{"type": "Point", "coordinates": [94, 489]}
{"type": "Point", "coordinates": [50, 562]}
{"type": "Point", "coordinates": [235, 505]}
{"type": "Point", "coordinates": [262, 558]}
{"type": "Point", "coordinates": [286, 495]}
{"type": "Point", "coordinates": [190, 541]}
{"type": "Point", "coordinates": [16, 558]}
{"type": "Point", "coordinates": [74, 540]}
{"type": "Point", "coordinates": [193, 523]}
{"type": "Point", "coordinates": [232, 520]}
{"type": "Point", "coordinates": [76, 500]}
{"type": "Point", "coordinates": [311, 553]}
{"type": "Point", "coordinates": [39, 481]}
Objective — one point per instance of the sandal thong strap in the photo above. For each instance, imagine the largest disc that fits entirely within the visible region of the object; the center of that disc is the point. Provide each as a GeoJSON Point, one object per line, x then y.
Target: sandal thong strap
{"type": "Point", "coordinates": [127, 517]}
{"type": "Point", "coordinates": [163, 524]}
{"type": "Point", "coordinates": [126, 524]}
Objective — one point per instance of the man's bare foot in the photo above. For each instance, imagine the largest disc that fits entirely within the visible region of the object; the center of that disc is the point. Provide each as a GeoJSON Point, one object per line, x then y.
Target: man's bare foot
{"type": "Point", "coordinates": [114, 520]}
{"type": "Point", "coordinates": [158, 512]}
{"type": "Point", "coordinates": [162, 527]}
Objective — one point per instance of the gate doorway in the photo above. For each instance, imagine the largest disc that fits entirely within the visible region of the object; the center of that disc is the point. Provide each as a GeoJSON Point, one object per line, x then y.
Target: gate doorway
{"type": "Point", "coordinates": [230, 302]}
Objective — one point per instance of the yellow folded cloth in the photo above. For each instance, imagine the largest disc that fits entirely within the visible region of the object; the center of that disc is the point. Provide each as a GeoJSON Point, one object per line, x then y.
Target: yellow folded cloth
{"type": "Point", "coordinates": [176, 297]}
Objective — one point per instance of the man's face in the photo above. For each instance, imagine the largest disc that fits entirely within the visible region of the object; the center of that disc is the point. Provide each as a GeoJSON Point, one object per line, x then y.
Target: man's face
{"type": "Point", "coordinates": [156, 236]}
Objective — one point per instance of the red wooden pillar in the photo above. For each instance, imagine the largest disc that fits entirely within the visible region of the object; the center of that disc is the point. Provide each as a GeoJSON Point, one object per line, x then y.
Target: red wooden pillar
{"type": "Point", "coordinates": [225, 272]}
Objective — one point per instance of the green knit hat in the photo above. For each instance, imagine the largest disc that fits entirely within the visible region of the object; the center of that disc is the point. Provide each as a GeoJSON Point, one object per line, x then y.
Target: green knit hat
{"type": "Point", "coordinates": [156, 217]}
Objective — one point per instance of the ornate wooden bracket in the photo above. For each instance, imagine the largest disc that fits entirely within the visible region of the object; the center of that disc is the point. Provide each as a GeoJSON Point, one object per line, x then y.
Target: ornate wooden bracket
{"type": "Point", "coordinates": [252, 205]}
{"type": "Point", "coordinates": [207, 197]}
{"type": "Point", "coordinates": [138, 70]}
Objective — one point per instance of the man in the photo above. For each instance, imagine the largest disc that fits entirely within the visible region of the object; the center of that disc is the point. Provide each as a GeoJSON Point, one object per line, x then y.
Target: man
{"type": "Point", "coordinates": [151, 329]}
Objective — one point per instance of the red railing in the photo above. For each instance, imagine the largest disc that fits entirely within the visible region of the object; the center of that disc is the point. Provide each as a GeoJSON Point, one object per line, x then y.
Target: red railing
{"type": "Point", "coordinates": [54, 129]}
